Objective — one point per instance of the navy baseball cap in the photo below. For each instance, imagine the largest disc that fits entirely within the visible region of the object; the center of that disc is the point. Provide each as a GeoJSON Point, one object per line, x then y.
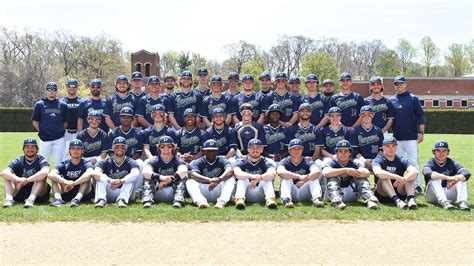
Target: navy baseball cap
{"type": "Point", "coordinates": [265, 75]}
{"type": "Point", "coordinates": [51, 86]}
{"type": "Point", "coordinates": [126, 111]}
{"type": "Point", "coordinates": [441, 144]}
{"type": "Point", "coordinates": [203, 71]}
{"type": "Point", "coordinates": [312, 77]}
{"type": "Point", "coordinates": [189, 111]}
{"type": "Point", "coordinates": [366, 109]}
{"type": "Point", "coordinates": [165, 140]}
{"type": "Point", "coordinates": [72, 82]}
{"type": "Point", "coordinates": [390, 140]}
{"type": "Point", "coordinates": [216, 79]}
{"type": "Point", "coordinates": [280, 75]}
{"type": "Point", "coordinates": [345, 75]}
{"type": "Point", "coordinates": [304, 106]}
{"type": "Point", "coordinates": [76, 143]}
{"type": "Point", "coordinates": [30, 141]}
{"type": "Point", "coordinates": [121, 78]}
{"type": "Point", "coordinates": [334, 110]}
{"type": "Point", "coordinates": [274, 108]}
{"type": "Point", "coordinates": [94, 113]}
{"type": "Point", "coordinates": [343, 144]}
{"type": "Point", "coordinates": [186, 74]}
{"type": "Point", "coordinates": [137, 75]}
{"type": "Point", "coordinates": [218, 111]}
{"type": "Point", "coordinates": [255, 142]}
{"type": "Point", "coordinates": [328, 81]}
{"type": "Point", "coordinates": [119, 141]}
{"type": "Point", "coordinates": [210, 145]}
{"type": "Point", "coordinates": [153, 80]}
{"type": "Point", "coordinates": [233, 74]}
{"type": "Point", "coordinates": [247, 77]}
{"type": "Point", "coordinates": [295, 143]}
{"type": "Point", "coordinates": [400, 79]}
{"type": "Point", "coordinates": [157, 108]}
{"type": "Point", "coordinates": [246, 106]}
{"type": "Point", "coordinates": [294, 79]}
{"type": "Point", "coordinates": [376, 79]}
{"type": "Point", "coordinates": [96, 82]}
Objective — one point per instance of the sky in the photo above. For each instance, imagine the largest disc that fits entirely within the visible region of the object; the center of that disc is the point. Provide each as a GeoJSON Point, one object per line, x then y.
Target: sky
{"type": "Point", "coordinates": [205, 26]}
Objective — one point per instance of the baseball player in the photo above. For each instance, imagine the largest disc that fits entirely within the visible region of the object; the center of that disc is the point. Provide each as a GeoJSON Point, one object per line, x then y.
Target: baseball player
{"type": "Point", "coordinates": [169, 82]}
{"type": "Point", "coordinates": [275, 135]}
{"type": "Point", "coordinates": [408, 125]}
{"type": "Point", "coordinates": [117, 101]}
{"type": "Point", "coordinates": [299, 177]}
{"type": "Point", "coordinates": [72, 101]}
{"type": "Point", "coordinates": [71, 179]}
{"type": "Point", "coordinates": [215, 100]}
{"type": "Point", "coordinates": [183, 99]}
{"type": "Point", "coordinates": [348, 101]}
{"type": "Point", "coordinates": [146, 103]}
{"type": "Point", "coordinates": [223, 135]}
{"type": "Point", "coordinates": [294, 83]}
{"type": "Point", "coordinates": [50, 116]}
{"type": "Point", "coordinates": [255, 175]}
{"type": "Point", "coordinates": [248, 96]}
{"type": "Point", "coordinates": [94, 139]}
{"type": "Point", "coordinates": [366, 139]}
{"type": "Point", "coordinates": [116, 177]}
{"type": "Point", "coordinates": [25, 177]}
{"type": "Point", "coordinates": [315, 101]}
{"type": "Point", "coordinates": [234, 83]}
{"type": "Point", "coordinates": [132, 135]}
{"type": "Point", "coordinates": [288, 102]}
{"type": "Point", "coordinates": [265, 83]}
{"type": "Point", "coordinates": [152, 134]}
{"type": "Point", "coordinates": [190, 138]}
{"type": "Point", "coordinates": [164, 176]}
{"type": "Point", "coordinates": [211, 178]}
{"type": "Point", "coordinates": [446, 179]}
{"type": "Point", "coordinates": [328, 89]}
{"type": "Point", "coordinates": [137, 82]}
{"type": "Point", "coordinates": [246, 130]}
{"type": "Point", "coordinates": [347, 180]}
{"type": "Point", "coordinates": [328, 136]}
{"type": "Point", "coordinates": [306, 132]}
{"type": "Point", "coordinates": [203, 89]}
{"type": "Point", "coordinates": [381, 106]}
{"type": "Point", "coordinates": [94, 103]}
{"type": "Point", "coordinates": [394, 177]}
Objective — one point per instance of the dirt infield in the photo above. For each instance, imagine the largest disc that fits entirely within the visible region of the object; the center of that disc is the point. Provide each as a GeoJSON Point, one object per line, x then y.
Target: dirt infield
{"type": "Point", "coordinates": [238, 242]}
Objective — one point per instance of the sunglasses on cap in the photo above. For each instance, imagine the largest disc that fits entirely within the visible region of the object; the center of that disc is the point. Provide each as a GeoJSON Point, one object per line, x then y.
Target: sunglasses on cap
{"type": "Point", "coordinates": [398, 84]}
{"type": "Point", "coordinates": [72, 87]}
{"type": "Point", "coordinates": [95, 87]}
{"type": "Point", "coordinates": [51, 89]}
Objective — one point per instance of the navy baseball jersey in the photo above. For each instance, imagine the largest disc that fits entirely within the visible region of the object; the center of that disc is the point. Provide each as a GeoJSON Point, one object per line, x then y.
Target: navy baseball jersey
{"type": "Point", "coordinates": [408, 115]}
{"type": "Point", "coordinates": [258, 168]}
{"type": "Point", "coordinates": [256, 100]}
{"type": "Point", "coordinates": [382, 108]}
{"type": "Point", "coordinates": [245, 133]}
{"type": "Point", "coordinates": [398, 166]}
{"type": "Point", "coordinates": [146, 103]}
{"type": "Point", "coordinates": [327, 138]}
{"type": "Point", "coordinates": [202, 93]}
{"type": "Point", "coordinates": [117, 171]}
{"type": "Point", "coordinates": [90, 105]}
{"type": "Point", "coordinates": [182, 101]}
{"type": "Point", "coordinates": [225, 138]}
{"type": "Point", "coordinates": [115, 103]}
{"type": "Point", "coordinates": [307, 135]}
{"type": "Point", "coordinates": [449, 168]}
{"type": "Point", "coordinates": [210, 103]}
{"type": "Point", "coordinates": [51, 116]}
{"type": "Point", "coordinates": [367, 142]}
{"type": "Point", "coordinates": [326, 103]}
{"type": "Point", "coordinates": [276, 139]}
{"type": "Point", "coordinates": [304, 167]}
{"type": "Point", "coordinates": [350, 105]}
{"type": "Point", "coordinates": [134, 139]}
{"type": "Point", "coordinates": [72, 172]}
{"type": "Point", "coordinates": [138, 96]}
{"type": "Point", "coordinates": [345, 180]}
{"type": "Point", "coordinates": [317, 108]}
{"type": "Point", "coordinates": [210, 169]}
{"type": "Point", "coordinates": [162, 167]}
{"type": "Point", "coordinates": [21, 167]}
{"type": "Point", "coordinates": [151, 136]}
{"type": "Point", "coordinates": [288, 102]}
{"type": "Point", "coordinates": [230, 95]}
{"type": "Point", "coordinates": [93, 145]}
{"type": "Point", "coordinates": [72, 109]}
{"type": "Point", "coordinates": [189, 141]}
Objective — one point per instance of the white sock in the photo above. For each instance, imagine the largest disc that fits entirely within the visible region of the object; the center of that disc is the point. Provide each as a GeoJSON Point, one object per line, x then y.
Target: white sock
{"type": "Point", "coordinates": [79, 196]}
{"type": "Point", "coordinates": [32, 198]}
{"type": "Point", "coordinates": [57, 195]}
{"type": "Point", "coordinates": [8, 197]}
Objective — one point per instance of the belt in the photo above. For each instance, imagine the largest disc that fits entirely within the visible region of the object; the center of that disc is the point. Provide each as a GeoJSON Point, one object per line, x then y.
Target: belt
{"type": "Point", "coordinates": [72, 131]}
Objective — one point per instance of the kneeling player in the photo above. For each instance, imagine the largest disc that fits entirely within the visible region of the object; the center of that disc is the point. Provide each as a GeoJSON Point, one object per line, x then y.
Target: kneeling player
{"type": "Point", "coordinates": [347, 180]}
{"type": "Point", "coordinates": [211, 178]}
{"type": "Point", "coordinates": [300, 177]}
{"type": "Point", "coordinates": [25, 177]}
{"type": "Point", "coordinates": [394, 176]}
{"type": "Point", "coordinates": [72, 178]}
{"type": "Point", "coordinates": [255, 175]}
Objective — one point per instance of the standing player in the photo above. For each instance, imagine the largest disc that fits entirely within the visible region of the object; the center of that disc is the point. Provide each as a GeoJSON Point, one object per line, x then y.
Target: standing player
{"type": "Point", "coordinates": [265, 83]}
{"type": "Point", "coordinates": [394, 177]}
{"type": "Point", "coordinates": [122, 98]}
{"type": "Point", "coordinates": [116, 177]}
{"type": "Point", "coordinates": [223, 135]}
{"type": "Point", "coordinates": [234, 83]}
{"type": "Point", "coordinates": [246, 130]}
{"type": "Point", "coordinates": [255, 175]}
{"type": "Point", "coordinates": [170, 82]}
{"type": "Point", "coordinates": [299, 177]}
{"type": "Point", "coordinates": [446, 179]}
{"type": "Point", "coordinates": [215, 100]}
{"type": "Point", "coordinates": [381, 106]}
{"type": "Point", "coordinates": [72, 101]}
{"type": "Point", "coordinates": [25, 178]}
{"type": "Point", "coordinates": [202, 88]}
{"type": "Point", "coordinates": [211, 178]}
{"type": "Point", "coordinates": [152, 134]}
{"type": "Point", "coordinates": [331, 134]}
{"type": "Point", "coordinates": [164, 176]}
{"type": "Point", "coordinates": [137, 82]}
{"type": "Point", "coordinates": [315, 101]}
{"type": "Point", "coordinates": [347, 180]}
{"type": "Point", "coordinates": [94, 139]}
{"type": "Point", "coordinates": [408, 125]}
{"type": "Point", "coordinates": [348, 101]}
{"type": "Point", "coordinates": [183, 99]}
{"type": "Point", "coordinates": [250, 97]}
{"type": "Point", "coordinates": [275, 135]}
{"type": "Point", "coordinates": [71, 179]}
{"type": "Point", "coordinates": [190, 138]}
{"type": "Point", "coordinates": [94, 103]}
{"type": "Point", "coordinates": [50, 118]}
{"type": "Point", "coordinates": [288, 102]}
{"type": "Point", "coordinates": [306, 132]}
{"type": "Point", "coordinates": [328, 92]}
{"type": "Point", "coordinates": [295, 85]}
{"type": "Point", "coordinates": [146, 103]}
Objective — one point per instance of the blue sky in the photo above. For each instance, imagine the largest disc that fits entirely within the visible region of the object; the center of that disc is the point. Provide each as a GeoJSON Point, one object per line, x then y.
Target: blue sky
{"type": "Point", "coordinates": [205, 26]}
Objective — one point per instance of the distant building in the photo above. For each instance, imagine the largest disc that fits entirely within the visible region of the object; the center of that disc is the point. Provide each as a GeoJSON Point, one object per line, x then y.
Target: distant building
{"type": "Point", "coordinates": [146, 62]}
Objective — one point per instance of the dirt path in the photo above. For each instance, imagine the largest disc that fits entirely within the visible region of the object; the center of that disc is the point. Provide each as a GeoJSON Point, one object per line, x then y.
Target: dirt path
{"type": "Point", "coordinates": [238, 242]}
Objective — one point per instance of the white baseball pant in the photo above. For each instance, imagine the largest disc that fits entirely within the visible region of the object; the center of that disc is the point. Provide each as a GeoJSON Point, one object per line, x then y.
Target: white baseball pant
{"type": "Point", "coordinates": [260, 194]}
{"type": "Point", "coordinates": [306, 193]}
{"type": "Point", "coordinates": [409, 149]}
{"type": "Point", "coordinates": [68, 137]}
{"type": "Point", "coordinates": [436, 193]}
{"type": "Point", "coordinates": [54, 146]}
{"type": "Point", "coordinates": [199, 192]}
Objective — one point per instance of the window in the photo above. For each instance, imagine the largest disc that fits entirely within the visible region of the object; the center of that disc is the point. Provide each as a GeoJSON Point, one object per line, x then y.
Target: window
{"type": "Point", "coordinates": [147, 69]}
{"type": "Point", "coordinates": [463, 103]}
{"type": "Point", "coordinates": [422, 102]}
{"type": "Point", "coordinates": [449, 103]}
{"type": "Point", "coordinates": [138, 67]}
{"type": "Point", "coordinates": [435, 103]}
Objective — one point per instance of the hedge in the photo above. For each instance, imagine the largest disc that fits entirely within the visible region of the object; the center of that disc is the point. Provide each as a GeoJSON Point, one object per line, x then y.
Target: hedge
{"type": "Point", "coordinates": [14, 119]}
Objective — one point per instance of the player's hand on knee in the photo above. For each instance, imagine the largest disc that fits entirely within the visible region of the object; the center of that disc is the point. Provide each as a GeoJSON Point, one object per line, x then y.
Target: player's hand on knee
{"type": "Point", "coordinates": [254, 183]}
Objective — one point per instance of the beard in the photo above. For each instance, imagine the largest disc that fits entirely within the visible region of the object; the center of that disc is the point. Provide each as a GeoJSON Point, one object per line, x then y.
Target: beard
{"type": "Point", "coordinates": [328, 94]}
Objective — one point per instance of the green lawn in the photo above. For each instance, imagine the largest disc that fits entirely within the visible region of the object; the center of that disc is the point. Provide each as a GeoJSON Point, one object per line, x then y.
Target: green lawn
{"type": "Point", "coordinates": [461, 150]}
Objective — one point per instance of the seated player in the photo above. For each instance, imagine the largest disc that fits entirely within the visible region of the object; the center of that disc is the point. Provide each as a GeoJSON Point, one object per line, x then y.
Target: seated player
{"type": "Point", "coordinates": [255, 175]}
{"type": "Point", "coordinates": [211, 178]}
{"type": "Point", "coordinates": [94, 139]}
{"type": "Point", "coordinates": [446, 179]}
{"type": "Point", "coordinates": [331, 134]}
{"type": "Point", "coordinates": [223, 135]}
{"type": "Point", "coordinates": [394, 177]}
{"type": "Point", "coordinates": [189, 138]}
{"type": "Point", "coordinates": [347, 180]}
{"type": "Point", "coordinates": [275, 135]}
{"type": "Point", "coordinates": [164, 176]}
{"type": "Point", "coordinates": [71, 179]}
{"type": "Point", "coordinates": [300, 180]}
{"type": "Point", "coordinates": [25, 177]}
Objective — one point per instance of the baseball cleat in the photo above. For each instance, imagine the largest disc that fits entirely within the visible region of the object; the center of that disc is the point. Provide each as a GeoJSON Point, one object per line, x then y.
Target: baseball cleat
{"type": "Point", "coordinates": [57, 203]}
{"type": "Point", "coordinates": [75, 203]}
{"type": "Point", "coordinates": [464, 206]}
{"type": "Point", "coordinates": [240, 204]}
{"type": "Point", "coordinates": [8, 204]}
{"type": "Point", "coordinates": [100, 204]}
{"type": "Point", "coordinates": [418, 191]}
{"type": "Point", "coordinates": [339, 205]}
{"type": "Point", "coordinates": [271, 204]}
{"type": "Point", "coordinates": [121, 203]}
{"type": "Point", "coordinates": [318, 203]}
{"type": "Point", "coordinates": [203, 205]}
{"type": "Point", "coordinates": [288, 203]}
{"type": "Point", "coordinates": [447, 205]}
{"type": "Point", "coordinates": [28, 204]}
{"type": "Point", "coordinates": [146, 204]}
{"type": "Point", "coordinates": [412, 204]}
{"type": "Point", "coordinates": [401, 205]}
{"type": "Point", "coordinates": [178, 205]}
{"type": "Point", "coordinates": [220, 204]}
{"type": "Point", "coordinates": [372, 205]}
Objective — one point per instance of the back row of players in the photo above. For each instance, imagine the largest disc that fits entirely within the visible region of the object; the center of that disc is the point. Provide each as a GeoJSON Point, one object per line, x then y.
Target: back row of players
{"type": "Point", "coordinates": [288, 115]}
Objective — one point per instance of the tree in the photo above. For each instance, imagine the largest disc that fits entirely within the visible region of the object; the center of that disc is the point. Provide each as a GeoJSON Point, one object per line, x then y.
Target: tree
{"type": "Point", "coordinates": [457, 59]}
{"type": "Point", "coordinates": [406, 52]}
{"type": "Point", "coordinates": [239, 53]}
{"type": "Point", "coordinates": [184, 61]}
{"type": "Point", "coordinates": [254, 68]}
{"type": "Point", "coordinates": [289, 52]}
{"type": "Point", "coordinates": [429, 54]}
{"type": "Point", "coordinates": [197, 61]}
{"type": "Point", "coordinates": [388, 64]}
{"type": "Point", "coordinates": [169, 63]}
{"type": "Point", "coordinates": [321, 64]}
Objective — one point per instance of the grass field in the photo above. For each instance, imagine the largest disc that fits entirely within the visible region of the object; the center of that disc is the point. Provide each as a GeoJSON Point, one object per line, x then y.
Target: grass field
{"type": "Point", "coordinates": [461, 147]}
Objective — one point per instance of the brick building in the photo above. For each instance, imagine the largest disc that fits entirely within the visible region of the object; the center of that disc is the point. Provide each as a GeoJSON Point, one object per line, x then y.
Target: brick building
{"type": "Point", "coordinates": [145, 62]}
